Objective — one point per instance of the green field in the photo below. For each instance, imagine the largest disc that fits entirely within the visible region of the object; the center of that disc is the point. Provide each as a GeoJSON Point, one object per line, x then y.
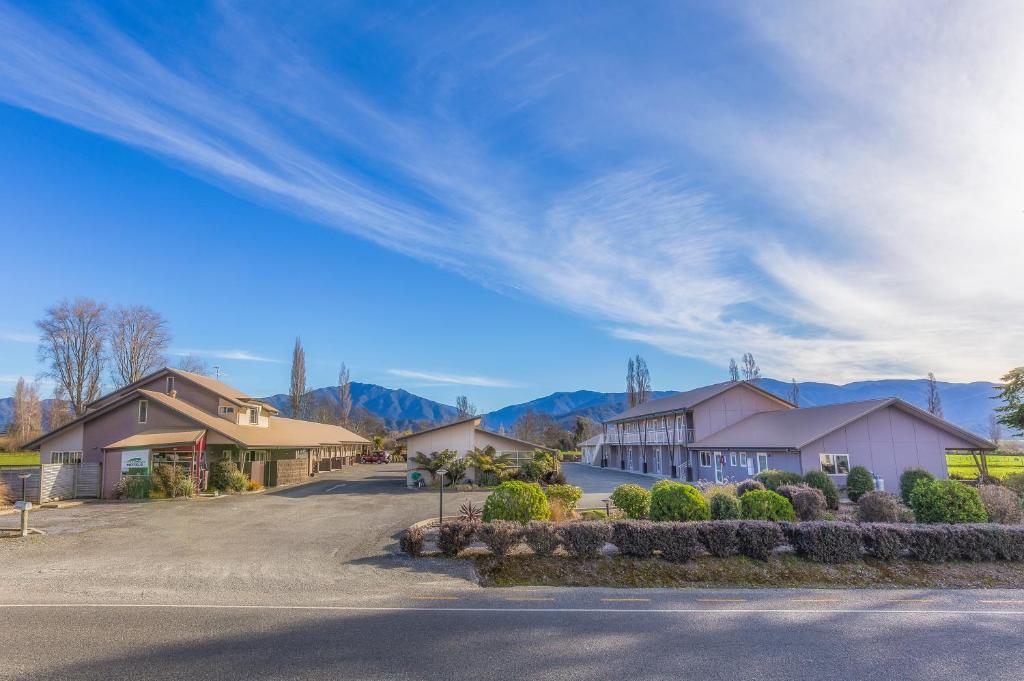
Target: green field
{"type": "Point", "coordinates": [20, 459]}
{"type": "Point", "coordinates": [962, 465]}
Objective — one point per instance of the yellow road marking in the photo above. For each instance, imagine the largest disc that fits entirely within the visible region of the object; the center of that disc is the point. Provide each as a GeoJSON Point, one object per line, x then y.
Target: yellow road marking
{"type": "Point", "coordinates": [529, 598]}
{"type": "Point", "coordinates": [626, 600]}
{"type": "Point", "coordinates": [721, 600]}
{"type": "Point", "coordinates": [1007, 601]}
{"type": "Point", "coordinates": [910, 600]}
{"type": "Point", "coordinates": [816, 600]}
{"type": "Point", "coordinates": [434, 598]}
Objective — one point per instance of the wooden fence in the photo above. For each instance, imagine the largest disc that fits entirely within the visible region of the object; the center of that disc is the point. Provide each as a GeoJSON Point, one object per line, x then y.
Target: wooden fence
{"type": "Point", "coordinates": [54, 481]}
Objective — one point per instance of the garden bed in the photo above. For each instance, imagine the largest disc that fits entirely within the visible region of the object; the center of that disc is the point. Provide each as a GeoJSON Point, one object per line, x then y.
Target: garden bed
{"type": "Point", "coordinates": [781, 571]}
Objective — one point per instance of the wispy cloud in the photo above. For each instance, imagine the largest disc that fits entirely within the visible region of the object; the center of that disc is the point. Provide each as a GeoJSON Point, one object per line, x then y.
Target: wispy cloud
{"type": "Point", "coordinates": [19, 337]}
{"type": "Point", "coordinates": [454, 379]}
{"type": "Point", "coordinates": [859, 220]}
{"type": "Point", "coordinates": [240, 355]}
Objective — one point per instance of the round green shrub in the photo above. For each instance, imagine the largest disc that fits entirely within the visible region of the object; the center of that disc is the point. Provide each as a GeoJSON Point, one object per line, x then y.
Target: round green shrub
{"type": "Point", "coordinates": [225, 476]}
{"type": "Point", "coordinates": [567, 495]}
{"type": "Point", "coordinates": [634, 500]}
{"type": "Point", "coordinates": [946, 501]}
{"type": "Point", "coordinates": [724, 506]}
{"type": "Point", "coordinates": [859, 482]}
{"type": "Point", "coordinates": [772, 478]}
{"type": "Point", "coordinates": [518, 501]}
{"type": "Point", "coordinates": [676, 501]}
{"type": "Point", "coordinates": [909, 478]}
{"type": "Point", "coordinates": [820, 480]}
{"type": "Point", "coordinates": [765, 504]}
{"type": "Point", "coordinates": [748, 486]}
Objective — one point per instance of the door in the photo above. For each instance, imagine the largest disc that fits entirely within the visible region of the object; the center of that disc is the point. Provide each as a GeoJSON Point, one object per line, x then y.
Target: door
{"type": "Point", "coordinates": [719, 457]}
{"type": "Point", "coordinates": [762, 462]}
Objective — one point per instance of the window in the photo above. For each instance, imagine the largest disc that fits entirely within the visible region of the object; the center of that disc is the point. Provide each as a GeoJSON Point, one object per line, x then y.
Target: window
{"type": "Point", "coordinates": [254, 416]}
{"type": "Point", "coordinates": [732, 458]}
{"type": "Point", "coordinates": [143, 411]}
{"type": "Point", "coordinates": [227, 410]}
{"type": "Point", "coordinates": [744, 458]}
{"type": "Point", "coordinates": [170, 384]}
{"type": "Point", "coordinates": [835, 464]}
{"type": "Point", "coordinates": [762, 461]}
{"type": "Point", "coordinates": [705, 459]}
{"type": "Point", "coordinates": [65, 457]}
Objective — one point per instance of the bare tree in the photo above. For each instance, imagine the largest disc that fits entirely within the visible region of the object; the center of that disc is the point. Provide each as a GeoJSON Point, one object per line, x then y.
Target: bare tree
{"type": "Point", "coordinates": [344, 395]}
{"type": "Point", "coordinates": [138, 340]}
{"type": "Point", "coordinates": [643, 381]}
{"type": "Point", "coordinates": [27, 413]}
{"type": "Point", "coordinates": [734, 370]}
{"type": "Point", "coordinates": [751, 372]}
{"type": "Point", "coordinates": [323, 410]}
{"type": "Point", "coordinates": [464, 407]}
{"type": "Point", "coordinates": [631, 383]}
{"type": "Point", "coordinates": [194, 365]}
{"type": "Point", "coordinates": [297, 388]}
{"type": "Point", "coordinates": [60, 410]}
{"type": "Point", "coordinates": [71, 347]}
{"type": "Point", "coordinates": [995, 429]}
{"type": "Point", "coordinates": [934, 400]}
{"type": "Point", "coordinates": [794, 392]}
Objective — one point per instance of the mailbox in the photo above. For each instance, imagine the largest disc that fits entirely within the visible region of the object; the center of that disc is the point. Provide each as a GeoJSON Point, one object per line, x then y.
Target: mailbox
{"type": "Point", "coordinates": [23, 505]}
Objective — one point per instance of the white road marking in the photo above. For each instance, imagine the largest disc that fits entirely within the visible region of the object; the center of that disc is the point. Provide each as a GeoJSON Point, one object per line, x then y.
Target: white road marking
{"type": "Point", "coordinates": [387, 608]}
{"type": "Point", "coordinates": [331, 489]}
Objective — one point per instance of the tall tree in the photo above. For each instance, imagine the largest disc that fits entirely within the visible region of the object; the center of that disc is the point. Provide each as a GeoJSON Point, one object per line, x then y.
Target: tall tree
{"type": "Point", "coordinates": [934, 400]}
{"type": "Point", "coordinates": [631, 383]}
{"type": "Point", "coordinates": [995, 429]}
{"type": "Point", "coordinates": [27, 413]}
{"type": "Point", "coordinates": [1011, 411]}
{"type": "Point", "coordinates": [584, 429]}
{"type": "Point", "coordinates": [297, 387]}
{"type": "Point", "coordinates": [194, 364]}
{"type": "Point", "coordinates": [60, 410]}
{"type": "Point", "coordinates": [344, 395]}
{"type": "Point", "coordinates": [323, 410]}
{"type": "Point", "coordinates": [464, 407]}
{"type": "Point", "coordinates": [794, 392]}
{"type": "Point", "coordinates": [71, 347]}
{"type": "Point", "coordinates": [734, 370]}
{"type": "Point", "coordinates": [138, 339]}
{"type": "Point", "coordinates": [643, 380]}
{"type": "Point", "coordinates": [751, 372]}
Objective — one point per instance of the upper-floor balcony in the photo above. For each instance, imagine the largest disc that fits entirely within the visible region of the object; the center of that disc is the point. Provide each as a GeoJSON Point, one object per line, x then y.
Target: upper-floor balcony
{"type": "Point", "coordinates": [652, 436]}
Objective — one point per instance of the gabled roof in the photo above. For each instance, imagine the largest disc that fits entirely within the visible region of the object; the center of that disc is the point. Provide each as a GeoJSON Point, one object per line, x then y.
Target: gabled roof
{"type": "Point", "coordinates": [222, 390]}
{"type": "Point", "coordinates": [690, 399]}
{"type": "Point", "coordinates": [158, 437]}
{"type": "Point", "coordinates": [531, 445]}
{"type": "Point", "coordinates": [477, 428]}
{"type": "Point", "coordinates": [797, 428]}
{"type": "Point", "coordinates": [457, 422]}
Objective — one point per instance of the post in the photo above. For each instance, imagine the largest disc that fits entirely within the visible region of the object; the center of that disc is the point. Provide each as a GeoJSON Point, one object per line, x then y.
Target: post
{"type": "Point", "coordinates": [441, 472]}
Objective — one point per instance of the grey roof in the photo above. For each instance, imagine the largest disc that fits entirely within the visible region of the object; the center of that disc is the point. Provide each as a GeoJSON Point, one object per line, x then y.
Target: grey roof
{"type": "Point", "coordinates": [687, 400]}
{"type": "Point", "coordinates": [797, 428]}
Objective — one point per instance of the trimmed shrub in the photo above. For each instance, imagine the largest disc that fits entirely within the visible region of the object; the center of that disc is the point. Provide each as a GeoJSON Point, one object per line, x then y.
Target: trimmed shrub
{"type": "Point", "coordinates": [541, 537]}
{"type": "Point", "coordinates": [946, 501]}
{"type": "Point", "coordinates": [724, 506]}
{"type": "Point", "coordinates": [678, 542]}
{"type": "Point", "coordinates": [455, 535]}
{"type": "Point", "coordinates": [884, 541]}
{"type": "Point", "coordinates": [1015, 481]}
{"type": "Point", "coordinates": [821, 481]}
{"type": "Point", "coordinates": [132, 487]}
{"type": "Point", "coordinates": [859, 482]}
{"type": "Point", "coordinates": [411, 541]}
{"type": "Point", "coordinates": [500, 535]}
{"type": "Point", "coordinates": [1001, 504]}
{"type": "Point", "coordinates": [757, 539]}
{"type": "Point", "coordinates": [225, 476]}
{"type": "Point", "coordinates": [634, 500]}
{"type": "Point", "coordinates": [909, 478]}
{"type": "Point", "coordinates": [675, 501]}
{"type": "Point", "coordinates": [567, 495]}
{"type": "Point", "coordinates": [750, 485]}
{"type": "Point", "coordinates": [929, 543]}
{"type": "Point", "coordinates": [825, 542]}
{"type": "Point", "coordinates": [634, 537]}
{"type": "Point", "coordinates": [518, 501]}
{"type": "Point", "coordinates": [584, 539]}
{"type": "Point", "coordinates": [773, 479]}
{"type": "Point", "coordinates": [878, 507]}
{"type": "Point", "coordinates": [808, 503]}
{"type": "Point", "coordinates": [789, 490]}
{"type": "Point", "coordinates": [765, 505]}
{"type": "Point", "coordinates": [534, 471]}
{"type": "Point", "coordinates": [594, 514]}
{"type": "Point", "coordinates": [719, 538]}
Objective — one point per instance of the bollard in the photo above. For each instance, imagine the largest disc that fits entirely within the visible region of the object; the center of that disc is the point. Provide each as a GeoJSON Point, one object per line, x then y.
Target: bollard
{"type": "Point", "coordinates": [24, 507]}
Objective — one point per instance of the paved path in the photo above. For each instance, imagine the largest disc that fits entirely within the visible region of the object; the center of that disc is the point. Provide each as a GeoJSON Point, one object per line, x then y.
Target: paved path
{"type": "Point", "coordinates": [598, 483]}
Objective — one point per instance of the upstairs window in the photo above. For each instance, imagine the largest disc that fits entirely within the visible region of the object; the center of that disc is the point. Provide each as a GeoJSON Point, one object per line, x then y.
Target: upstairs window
{"type": "Point", "coordinates": [143, 411]}
{"type": "Point", "coordinates": [227, 410]}
{"type": "Point", "coordinates": [170, 384]}
{"type": "Point", "coordinates": [254, 416]}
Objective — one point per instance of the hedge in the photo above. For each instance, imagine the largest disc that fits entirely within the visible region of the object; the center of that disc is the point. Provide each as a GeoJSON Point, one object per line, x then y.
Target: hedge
{"type": "Point", "coordinates": [634, 500]}
{"type": "Point", "coordinates": [765, 505]}
{"type": "Point", "coordinates": [518, 501]}
{"type": "Point", "coordinates": [772, 478]}
{"type": "Point", "coordinates": [584, 539]}
{"type": "Point", "coordinates": [825, 542]}
{"type": "Point", "coordinates": [541, 537]}
{"type": "Point", "coordinates": [634, 537]}
{"type": "Point", "coordinates": [859, 482]}
{"type": "Point", "coordinates": [724, 506]}
{"type": "Point", "coordinates": [500, 535]}
{"type": "Point", "coordinates": [675, 501]}
{"type": "Point", "coordinates": [821, 481]}
{"type": "Point", "coordinates": [453, 536]}
{"type": "Point", "coordinates": [946, 501]}
{"type": "Point", "coordinates": [909, 478]}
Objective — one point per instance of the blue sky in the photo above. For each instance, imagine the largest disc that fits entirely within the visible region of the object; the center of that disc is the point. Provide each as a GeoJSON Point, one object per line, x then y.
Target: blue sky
{"type": "Point", "coordinates": [504, 201]}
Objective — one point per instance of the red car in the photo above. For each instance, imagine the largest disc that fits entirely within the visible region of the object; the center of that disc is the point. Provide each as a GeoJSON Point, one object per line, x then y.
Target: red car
{"type": "Point", "coordinates": [375, 457]}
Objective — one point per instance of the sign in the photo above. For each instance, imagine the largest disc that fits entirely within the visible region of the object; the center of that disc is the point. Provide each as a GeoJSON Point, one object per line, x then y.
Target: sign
{"type": "Point", "coordinates": [135, 462]}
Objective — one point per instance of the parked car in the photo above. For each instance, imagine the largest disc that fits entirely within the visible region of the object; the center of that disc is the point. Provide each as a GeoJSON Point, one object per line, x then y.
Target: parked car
{"type": "Point", "coordinates": [375, 457]}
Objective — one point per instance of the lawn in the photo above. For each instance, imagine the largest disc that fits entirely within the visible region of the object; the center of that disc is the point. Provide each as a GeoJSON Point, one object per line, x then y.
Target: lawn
{"type": "Point", "coordinates": [20, 459]}
{"type": "Point", "coordinates": [1000, 466]}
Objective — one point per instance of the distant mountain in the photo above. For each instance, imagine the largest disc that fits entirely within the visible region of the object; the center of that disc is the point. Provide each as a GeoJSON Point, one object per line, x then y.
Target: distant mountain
{"type": "Point", "coordinates": [399, 408]}
{"type": "Point", "coordinates": [965, 404]}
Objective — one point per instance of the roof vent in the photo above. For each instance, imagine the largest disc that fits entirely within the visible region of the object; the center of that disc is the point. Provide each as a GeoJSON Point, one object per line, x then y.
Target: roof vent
{"type": "Point", "coordinates": [173, 394]}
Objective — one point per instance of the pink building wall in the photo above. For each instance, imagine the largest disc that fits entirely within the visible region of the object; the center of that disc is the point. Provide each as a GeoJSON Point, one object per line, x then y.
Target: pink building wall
{"type": "Point", "coordinates": [725, 409]}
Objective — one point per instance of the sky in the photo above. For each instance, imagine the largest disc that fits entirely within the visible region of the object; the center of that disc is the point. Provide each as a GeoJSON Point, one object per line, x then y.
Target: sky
{"type": "Point", "coordinates": [505, 200]}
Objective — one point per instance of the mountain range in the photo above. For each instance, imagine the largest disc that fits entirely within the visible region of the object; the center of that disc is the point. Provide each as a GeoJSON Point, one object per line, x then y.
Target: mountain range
{"type": "Point", "coordinates": [966, 404]}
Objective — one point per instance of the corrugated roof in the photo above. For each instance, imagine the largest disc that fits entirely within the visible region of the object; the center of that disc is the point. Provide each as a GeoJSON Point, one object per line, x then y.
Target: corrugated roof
{"type": "Point", "coordinates": [281, 432]}
{"type": "Point", "coordinates": [158, 437]}
{"type": "Point", "coordinates": [796, 428]}
{"type": "Point", "coordinates": [687, 400]}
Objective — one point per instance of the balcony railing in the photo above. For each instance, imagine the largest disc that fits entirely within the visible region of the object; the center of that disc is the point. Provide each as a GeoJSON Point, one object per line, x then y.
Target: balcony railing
{"type": "Point", "coordinates": [660, 436]}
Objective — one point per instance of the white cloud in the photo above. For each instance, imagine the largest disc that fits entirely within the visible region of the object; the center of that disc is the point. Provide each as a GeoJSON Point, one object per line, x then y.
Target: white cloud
{"type": "Point", "coordinates": [862, 221]}
{"type": "Point", "coordinates": [454, 379]}
{"type": "Point", "coordinates": [19, 337]}
{"type": "Point", "coordinates": [240, 355]}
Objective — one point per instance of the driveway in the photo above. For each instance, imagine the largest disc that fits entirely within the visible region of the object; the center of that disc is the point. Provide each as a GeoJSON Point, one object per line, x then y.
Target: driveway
{"type": "Point", "coordinates": [598, 483]}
